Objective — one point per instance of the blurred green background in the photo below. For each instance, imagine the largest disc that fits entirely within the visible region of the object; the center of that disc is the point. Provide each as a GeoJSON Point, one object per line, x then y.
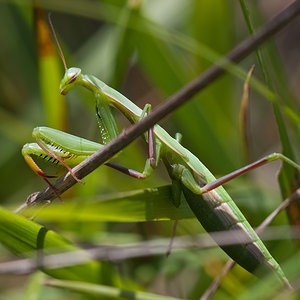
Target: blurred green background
{"type": "Point", "coordinates": [147, 50]}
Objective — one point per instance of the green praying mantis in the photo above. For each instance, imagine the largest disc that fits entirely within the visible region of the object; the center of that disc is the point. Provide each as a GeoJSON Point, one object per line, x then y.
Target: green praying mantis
{"type": "Point", "coordinates": [208, 200]}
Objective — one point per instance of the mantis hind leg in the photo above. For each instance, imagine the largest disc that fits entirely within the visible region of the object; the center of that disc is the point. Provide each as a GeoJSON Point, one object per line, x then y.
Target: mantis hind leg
{"type": "Point", "coordinates": [188, 178]}
{"type": "Point", "coordinates": [269, 158]}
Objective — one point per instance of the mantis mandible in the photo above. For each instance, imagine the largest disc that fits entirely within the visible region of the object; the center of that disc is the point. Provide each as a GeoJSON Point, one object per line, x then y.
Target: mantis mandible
{"type": "Point", "coordinates": [205, 195]}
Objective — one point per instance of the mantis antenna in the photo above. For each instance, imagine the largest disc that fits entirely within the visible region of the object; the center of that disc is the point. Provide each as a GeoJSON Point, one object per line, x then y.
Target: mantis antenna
{"type": "Point", "coordinates": [56, 40]}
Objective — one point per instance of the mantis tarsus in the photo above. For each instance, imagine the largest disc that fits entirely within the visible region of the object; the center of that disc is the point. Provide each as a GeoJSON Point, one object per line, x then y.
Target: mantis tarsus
{"type": "Point", "coordinates": [209, 201]}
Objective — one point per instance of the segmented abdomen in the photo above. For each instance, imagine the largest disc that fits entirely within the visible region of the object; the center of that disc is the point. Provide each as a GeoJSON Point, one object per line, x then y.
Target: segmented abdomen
{"type": "Point", "coordinates": [244, 246]}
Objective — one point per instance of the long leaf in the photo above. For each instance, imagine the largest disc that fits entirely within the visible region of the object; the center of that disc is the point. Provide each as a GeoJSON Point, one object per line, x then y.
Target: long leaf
{"type": "Point", "coordinates": [151, 204]}
{"type": "Point", "coordinates": [28, 239]}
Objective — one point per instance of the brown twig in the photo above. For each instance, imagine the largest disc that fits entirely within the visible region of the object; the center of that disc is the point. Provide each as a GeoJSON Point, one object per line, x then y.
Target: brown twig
{"type": "Point", "coordinates": [244, 113]}
{"type": "Point", "coordinates": [187, 92]}
{"type": "Point", "coordinates": [61, 259]}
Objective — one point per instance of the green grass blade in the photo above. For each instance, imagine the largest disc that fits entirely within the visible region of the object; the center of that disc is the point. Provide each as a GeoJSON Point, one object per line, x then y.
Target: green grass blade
{"type": "Point", "coordinates": [34, 286]}
{"type": "Point", "coordinates": [151, 204]}
{"type": "Point", "coordinates": [288, 176]}
{"type": "Point", "coordinates": [105, 291]}
{"type": "Point", "coordinates": [49, 73]}
{"type": "Point", "coordinates": [26, 238]}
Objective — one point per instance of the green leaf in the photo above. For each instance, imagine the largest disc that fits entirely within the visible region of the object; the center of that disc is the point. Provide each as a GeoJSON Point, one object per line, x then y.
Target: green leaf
{"type": "Point", "coordinates": [50, 73]}
{"type": "Point", "coordinates": [34, 286]}
{"type": "Point", "coordinates": [151, 204]}
{"type": "Point", "coordinates": [28, 239]}
{"type": "Point", "coordinates": [100, 290]}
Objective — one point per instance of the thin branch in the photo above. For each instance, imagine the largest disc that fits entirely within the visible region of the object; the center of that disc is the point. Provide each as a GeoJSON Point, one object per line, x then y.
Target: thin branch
{"type": "Point", "coordinates": [217, 281]}
{"type": "Point", "coordinates": [294, 197]}
{"type": "Point", "coordinates": [135, 250]}
{"type": "Point", "coordinates": [175, 101]}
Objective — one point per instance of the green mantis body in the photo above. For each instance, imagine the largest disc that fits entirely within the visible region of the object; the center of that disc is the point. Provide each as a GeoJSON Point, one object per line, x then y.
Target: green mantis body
{"type": "Point", "coordinates": [208, 200]}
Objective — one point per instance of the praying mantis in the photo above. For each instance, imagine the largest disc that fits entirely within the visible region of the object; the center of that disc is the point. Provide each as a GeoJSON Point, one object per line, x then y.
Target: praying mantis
{"type": "Point", "coordinates": [208, 200]}
{"type": "Point", "coordinates": [205, 195]}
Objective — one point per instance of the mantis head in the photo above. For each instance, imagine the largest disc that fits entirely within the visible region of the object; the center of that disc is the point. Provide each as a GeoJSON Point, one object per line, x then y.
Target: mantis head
{"type": "Point", "coordinates": [69, 80]}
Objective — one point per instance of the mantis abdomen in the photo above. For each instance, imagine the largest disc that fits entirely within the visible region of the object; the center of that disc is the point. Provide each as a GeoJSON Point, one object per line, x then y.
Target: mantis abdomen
{"type": "Point", "coordinates": [244, 247]}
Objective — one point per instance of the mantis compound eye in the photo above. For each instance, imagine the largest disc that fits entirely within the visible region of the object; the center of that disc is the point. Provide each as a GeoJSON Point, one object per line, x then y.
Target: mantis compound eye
{"type": "Point", "coordinates": [73, 78]}
{"type": "Point", "coordinates": [69, 79]}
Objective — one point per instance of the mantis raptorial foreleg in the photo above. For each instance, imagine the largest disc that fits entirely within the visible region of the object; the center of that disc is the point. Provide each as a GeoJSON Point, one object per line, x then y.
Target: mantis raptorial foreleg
{"type": "Point", "coordinates": [64, 149]}
{"type": "Point", "coordinates": [106, 121]}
